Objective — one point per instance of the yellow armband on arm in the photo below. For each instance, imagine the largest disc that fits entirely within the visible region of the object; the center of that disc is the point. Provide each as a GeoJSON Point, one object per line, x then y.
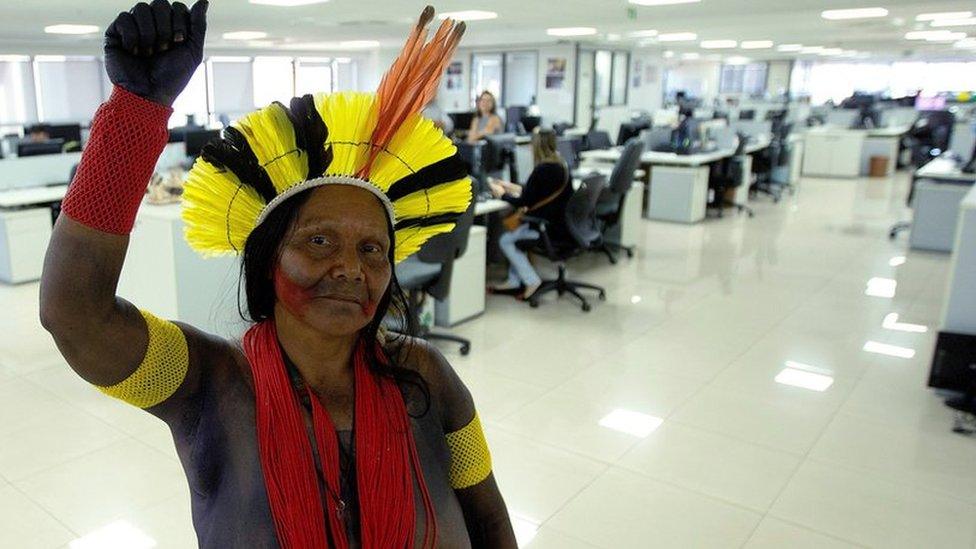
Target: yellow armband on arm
{"type": "Point", "coordinates": [162, 369]}
{"type": "Point", "coordinates": [470, 458]}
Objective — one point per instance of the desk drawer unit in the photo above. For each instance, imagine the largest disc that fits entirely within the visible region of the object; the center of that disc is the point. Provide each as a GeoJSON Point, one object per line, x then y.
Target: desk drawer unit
{"type": "Point", "coordinates": [24, 236]}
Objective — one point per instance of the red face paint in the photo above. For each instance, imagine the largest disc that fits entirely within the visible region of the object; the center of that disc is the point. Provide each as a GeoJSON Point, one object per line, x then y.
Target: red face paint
{"type": "Point", "coordinates": [295, 298]}
{"type": "Point", "coordinates": [369, 308]}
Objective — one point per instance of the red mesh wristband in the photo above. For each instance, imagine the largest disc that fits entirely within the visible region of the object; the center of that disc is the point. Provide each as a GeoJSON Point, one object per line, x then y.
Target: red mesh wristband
{"type": "Point", "coordinates": [127, 136]}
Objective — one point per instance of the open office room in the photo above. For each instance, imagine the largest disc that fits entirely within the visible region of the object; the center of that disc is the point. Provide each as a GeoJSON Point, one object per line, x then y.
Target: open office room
{"type": "Point", "coordinates": [509, 273]}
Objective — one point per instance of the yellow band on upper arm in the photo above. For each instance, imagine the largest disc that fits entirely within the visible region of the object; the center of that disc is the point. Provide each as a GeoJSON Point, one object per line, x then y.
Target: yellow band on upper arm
{"type": "Point", "coordinates": [470, 458]}
{"type": "Point", "coordinates": [162, 369]}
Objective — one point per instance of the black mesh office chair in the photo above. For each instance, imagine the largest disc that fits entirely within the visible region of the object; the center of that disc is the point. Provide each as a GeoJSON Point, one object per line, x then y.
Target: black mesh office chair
{"type": "Point", "coordinates": [584, 231]}
{"type": "Point", "coordinates": [610, 206]}
{"type": "Point", "coordinates": [726, 177]}
{"type": "Point", "coordinates": [929, 136]}
{"type": "Point", "coordinates": [429, 273]}
{"type": "Point", "coordinates": [498, 152]}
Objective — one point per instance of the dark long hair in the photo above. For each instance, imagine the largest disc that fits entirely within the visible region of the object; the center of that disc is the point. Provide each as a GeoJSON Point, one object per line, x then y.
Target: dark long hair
{"type": "Point", "coordinates": [262, 251]}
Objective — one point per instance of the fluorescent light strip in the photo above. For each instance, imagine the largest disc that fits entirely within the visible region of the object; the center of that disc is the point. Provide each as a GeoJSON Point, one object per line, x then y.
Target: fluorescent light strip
{"type": "Point", "coordinates": [890, 322]}
{"type": "Point", "coordinates": [571, 31]}
{"type": "Point", "coordinates": [955, 22]}
{"type": "Point", "coordinates": [71, 29]}
{"type": "Point", "coordinates": [881, 287]}
{"type": "Point", "coordinates": [469, 15]}
{"type": "Point", "coordinates": [941, 16]}
{"type": "Point", "coordinates": [718, 44]}
{"type": "Point", "coordinates": [756, 44]}
{"type": "Point", "coordinates": [288, 3]}
{"type": "Point", "coordinates": [642, 33]}
{"type": "Point", "coordinates": [889, 350]}
{"type": "Point", "coordinates": [690, 56]}
{"type": "Point", "coordinates": [631, 423]}
{"type": "Point", "coordinates": [358, 44]}
{"type": "Point", "coordinates": [662, 2]}
{"type": "Point", "coordinates": [857, 13]}
{"type": "Point", "coordinates": [935, 35]}
{"type": "Point", "coordinates": [737, 60]}
{"type": "Point", "coordinates": [677, 37]}
{"type": "Point", "coordinates": [14, 58]}
{"type": "Point", "coordinates": [790, 47]}
{"type": "Point", "coordinates": [244, 35]}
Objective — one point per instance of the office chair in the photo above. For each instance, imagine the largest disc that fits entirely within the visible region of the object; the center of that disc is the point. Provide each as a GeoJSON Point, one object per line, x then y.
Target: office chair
{"type": "Point", "coordinates": [629, 130]}
{"type": "Point", "coordinates": [728, 176]}
{"type": "Point", "coordinates": [429, 272]}
{"type": "Point", "coordinates": [584, 231]}
{"type": "Point", "coordinates": [561, 127]}
{"type": "Point", "coordinates": [597, 140]}
{"type": "Point", "coordinates": [929, 136]}
{"type": "Point", "coordinates": [610, 206]}
{"type": "Point", "coordinates": [499, 151]}
{"type": "Point", "coordinates": [777, 155]}
{"type": "Point", "coordinates": [513, 119]}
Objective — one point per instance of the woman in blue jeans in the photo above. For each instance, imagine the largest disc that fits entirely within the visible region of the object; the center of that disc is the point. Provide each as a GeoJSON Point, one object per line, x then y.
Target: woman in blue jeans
{"type": "Point", "coordinates": [544, 195]}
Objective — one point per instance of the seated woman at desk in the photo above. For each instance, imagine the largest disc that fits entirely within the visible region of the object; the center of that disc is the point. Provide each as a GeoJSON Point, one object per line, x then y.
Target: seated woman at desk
{"type": "Point", "coordinates": [544, 196]}
{"type": "Point", "coordinates": [486, 122]}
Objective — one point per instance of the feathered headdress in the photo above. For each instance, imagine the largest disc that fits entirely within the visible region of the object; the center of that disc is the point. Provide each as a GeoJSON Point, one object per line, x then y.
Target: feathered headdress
{"type": "Point", "coordinates": [378, 142]}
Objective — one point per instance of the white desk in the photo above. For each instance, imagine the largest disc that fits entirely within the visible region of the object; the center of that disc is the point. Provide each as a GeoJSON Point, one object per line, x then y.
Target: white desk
{"type": "Point", "coordinates": [466, 298]}
{"type": "Point", "coordinates": [959, 310]}
{"type": "Point", "coordinates": [660, 158]}
{"type": "Point", "coordinates": [38, 171]}
{"type": "Point", "coordinates": [25, 230]}
{"type": "Point", "coordinates": [939, 189]}
{"type": "Point", "coordinates": [843, 152]}
{"type": "Point", "coordinates": [491, 205]}
{"type": "Point", "coordinates": [18, 198]}
{"type": "Point", "coordinates": [164, 275]}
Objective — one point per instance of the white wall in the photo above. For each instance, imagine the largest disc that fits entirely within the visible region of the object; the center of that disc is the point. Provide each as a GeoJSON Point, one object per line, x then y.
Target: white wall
{"type": "Point", "coordinates": [556, 105]}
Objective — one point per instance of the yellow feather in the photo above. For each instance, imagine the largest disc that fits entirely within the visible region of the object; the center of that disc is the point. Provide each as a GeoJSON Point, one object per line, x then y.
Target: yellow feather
{"type": "Point", "coordinates": [218, 211]}
{"type": "Point", "coordinates": [350, 118]}
{"type": "Point", "coordinates": [416, 145]}
{"type": "Point", "coordinates": [409, 240]}
{"type": "Point", "coordinates": [448, 197]}
{"type": "Point", "coordinates": [271, 136]}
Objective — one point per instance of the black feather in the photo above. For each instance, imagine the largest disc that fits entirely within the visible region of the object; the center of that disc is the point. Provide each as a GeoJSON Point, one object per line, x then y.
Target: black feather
{"type": "Point", "coordinates": [311, 134]}
{"type": "Point", "coordinates": [451, 168]}
{"type": "Point", "coordinates": [233, 153]}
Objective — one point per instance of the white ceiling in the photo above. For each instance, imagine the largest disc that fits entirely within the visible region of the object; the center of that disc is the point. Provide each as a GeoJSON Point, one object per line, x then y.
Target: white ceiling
{"type": "Point", "coordinates": [319, 27]}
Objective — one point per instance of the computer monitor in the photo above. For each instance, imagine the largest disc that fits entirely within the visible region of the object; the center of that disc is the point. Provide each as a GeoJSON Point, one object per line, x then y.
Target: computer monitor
{"type": "Point", "coordinates": [747, 114]}
{"type": "Point", "coordinates": [462, 120]}
{"type": "Point", "coordinates": [196, 139]}
{"type": "Point", "coordinates": [530, 123]}
{"type": "Point", "coordinates": [666, 117]}
{"type": "Point", "coordinates": [657, 138]}
{"type": "Point", "coordinates": [36, 148]}
{"type": "Point", "coordinates": [566, 150]}
{"type": "Point", "coordinates": [68, 132]}
{"type": "Point", "coordinates": [513, 119]}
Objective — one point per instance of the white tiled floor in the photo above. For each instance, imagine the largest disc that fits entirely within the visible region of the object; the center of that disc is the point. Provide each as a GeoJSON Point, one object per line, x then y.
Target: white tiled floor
{"type": "Point", "coordinates": [693, 334]}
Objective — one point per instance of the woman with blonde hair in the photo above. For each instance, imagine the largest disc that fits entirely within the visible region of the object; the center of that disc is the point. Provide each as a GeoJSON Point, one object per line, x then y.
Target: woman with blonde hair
{"type": "Point", "coordinates": [543, 196]}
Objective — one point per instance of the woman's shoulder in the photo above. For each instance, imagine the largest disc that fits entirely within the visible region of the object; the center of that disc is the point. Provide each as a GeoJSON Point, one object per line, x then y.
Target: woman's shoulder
{"type": "Point", "coordinates": [447, 392]}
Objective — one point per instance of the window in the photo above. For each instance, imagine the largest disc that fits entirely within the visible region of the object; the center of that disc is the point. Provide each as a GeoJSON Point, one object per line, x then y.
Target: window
{"type": "Point", "coordinates": [17, 106]}
{"type": "Point", "coordinates": [618, 91]}
{"type": "Point", "coordinates": [68, 89]}
{"type": "Point", "coordinates": [521, 78]}
{"type": "Point", "coordinates": [602, 74]}
{"type": "Point", "coordinates": [274, 80]}
{"type": "Point", "coordinates": [486, 74]}
{"type": "Point", "coordinates": [749, 79]}
{"type": "Point", "coordinates": [313, 75]}
{"type": "Point", "coordinates": [610, 77]}
{"type": "Point", "coordinates": [232, 85]}
{"type": "Point", "coordinates": [346, 74]}
{"type": "Point", "coordinates": [192, 102]}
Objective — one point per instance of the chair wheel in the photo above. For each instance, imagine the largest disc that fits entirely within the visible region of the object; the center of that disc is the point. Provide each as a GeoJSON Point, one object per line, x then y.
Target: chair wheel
{"type": "Point", "coordinates": [586, 307]}
{"type": "Point", "coordinates": [465, 349]}
{"type": "Point", "coordinates": [534, 303]}
{"type": "Point", "coordinates": [603, 296]}
{"type": "Point", "coordinates": [892, 234]}
{"type": "Point", "coordinates": [630, 254]}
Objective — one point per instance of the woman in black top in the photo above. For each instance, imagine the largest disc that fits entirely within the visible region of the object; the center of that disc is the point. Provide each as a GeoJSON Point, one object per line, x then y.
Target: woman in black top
{"type": "Point", "coordinates": [544, 196]}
